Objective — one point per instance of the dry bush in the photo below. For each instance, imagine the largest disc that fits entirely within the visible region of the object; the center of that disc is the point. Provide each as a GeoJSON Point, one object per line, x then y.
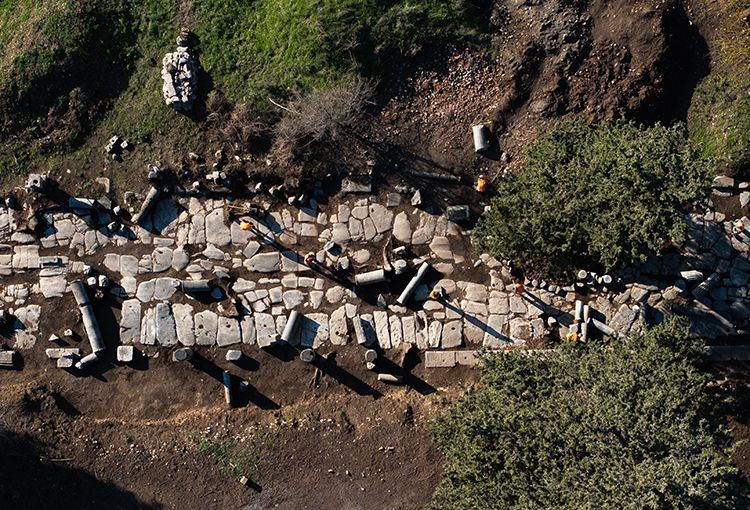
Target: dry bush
{"type": "Point", "coordinates": [322, 117]}
{"type": "Point", "coordinates": [245, 129]}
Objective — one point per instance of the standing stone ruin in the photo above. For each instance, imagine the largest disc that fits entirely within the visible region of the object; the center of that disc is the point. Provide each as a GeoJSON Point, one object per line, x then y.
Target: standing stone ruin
{"type": "Point", "coordinates": [179, 74]}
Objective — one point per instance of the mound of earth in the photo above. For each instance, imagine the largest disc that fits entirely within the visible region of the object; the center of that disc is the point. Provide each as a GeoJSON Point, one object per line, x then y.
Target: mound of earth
{"type": "Point", "coordinates": [547, 59]}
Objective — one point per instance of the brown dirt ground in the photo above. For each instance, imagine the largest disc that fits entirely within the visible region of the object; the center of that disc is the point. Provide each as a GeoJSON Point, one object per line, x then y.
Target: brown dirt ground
{"type": "Point", "coordinates": [127, 436]}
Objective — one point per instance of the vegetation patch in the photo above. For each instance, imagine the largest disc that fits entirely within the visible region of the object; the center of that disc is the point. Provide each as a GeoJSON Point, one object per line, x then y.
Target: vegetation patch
{"type": "Point", "coordinates": [236, 457]}
{"type": "Point", "coordinates": [605, 195]}
{"type": "Point", "coordinates": [627, 425]}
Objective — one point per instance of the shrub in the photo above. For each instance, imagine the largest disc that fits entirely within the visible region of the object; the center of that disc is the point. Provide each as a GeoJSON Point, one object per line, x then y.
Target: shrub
{"type": "Point", "coordinates": [603, 195]}
{"type": "Point", "coordinates": [629, 425]}
{"type": "Point", "coordinates": [324, 116]}
{"type": "Point", "coordinates": [719, 121]}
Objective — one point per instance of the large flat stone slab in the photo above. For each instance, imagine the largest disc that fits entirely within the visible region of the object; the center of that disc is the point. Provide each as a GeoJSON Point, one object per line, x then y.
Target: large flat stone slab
{"type": "Point", "coordinates": [206, 327]}
{"type": "Point", "coordinates": [313, 330]}
{"type": "Point", "coordinates": [265, 328]}
{"type": "Point", "coordinates": [451, 336]}
{"type": "Point", "coordinates": [130, 321]}
{"type": "Point", "coordinates": [228, 332]}
{"type": "Point", "coordinates": [217, 232]}
{"type": "Point", "coordinates": [338, 327]}
{"type": "Point", "coordinates": [247, 327]}
{"type": "Point", "coordinates": [183, 317]}
{"type": "Point", "coordinates": [264, 263]}
{"type": "Point", "coordinates": [381, 329]}
{"type": "Point", "coordinates": [166, 331]}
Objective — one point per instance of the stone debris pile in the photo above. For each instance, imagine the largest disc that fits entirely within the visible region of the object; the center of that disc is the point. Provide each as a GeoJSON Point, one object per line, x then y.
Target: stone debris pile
{"type": "Point", "coordinates": [179, 74]}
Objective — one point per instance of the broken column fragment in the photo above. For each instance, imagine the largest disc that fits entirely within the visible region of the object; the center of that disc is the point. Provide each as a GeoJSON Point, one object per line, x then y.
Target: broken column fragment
{"type": "Point", "coordinates": [148, 203]}
{"type": "Point", "coordinates": [370, 278]}
{"type": "Point", "coordinates": [89, 319]}
{"type": "Point", "coordinates": [409, 290]}
{"type": "Point", "coordinates": [291, 326]}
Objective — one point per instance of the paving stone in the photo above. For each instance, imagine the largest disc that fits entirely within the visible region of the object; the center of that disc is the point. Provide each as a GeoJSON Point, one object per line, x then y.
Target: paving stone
{"type": "Point", "coordinates": [361, 256]}
{"type": "Point", "coordinates": [356, 230]}
{"type": "Point", "coordinates": [52, 286]}
{"type": "Point", "coordinates": [340, 233]}
{"type": "Point", "coordinates": [623, 319]}
{"type": "Point", "coordinates": [475, 292]}
{"type": "Point", "coordinates": [316, 299]}
{"type": "Point", "coordinates": [402, 228]}
{"type": "Point", "coordinates": [441, 247]}
{"type": "Point", "coordinates": [263, 263]}
{"type": "Point", "coordinates": [161, 259]}
{"type": "Point", "coordinates": [112, 262]}
{"type": "Point", "coordinates": [164, 288]}
{"type": "Point", "coordinates": [467, 358]}
{"type": "Point", "coordinates": [520, 330]}
{"type": "Point", "coordinates": [217, 233]}
{"type": "Point", "coordinates": [381, 217]}
{"type": "Point", "coordinates": [495, 334]}
{"type": "Point", "coordinates": [291, 262]}
{"type": "Point", "coordinates": [451, 336]}
{"type": "Point", "coordinates": [251, 249]}
{"type": "Point", "coordinates": [517, 305]}
{"type": "Point", "coordinates": [180, 259]}
{"type": "Point", "coordinates": [242, 285]}
{"type": "Point", "coordinates": [364, 330]}
{"type": "Point", "coordinates": [128, 265]}
{"type": "Point", "coordinates": [339, 327]}
{"type": "Point", "coordinates": [145, 290]}
{"type": "Point", "coordinates": [369, 229]}
{"type": "Point", "coordinates": [335, 294]}
{"type": "Point", "coordinates": [293, 298]}
{"type": "Point", "coordinates": [409, 329]}
{"type": "Point", "coordinates": [381, 329]}
{"type": "Point", "coordinates": [439, 359]}
{"type": "Point", "coordinates": [474, 329]}
{"type": "Point", "coordinates": [307, 214]}
{"type": "Point", "coordinates": [125, 353]}
{"type": "Point", "coordinates": [265, 328]}
{"type": "Point", "coordinates": [148, 327]}
{"type": "Point", "coordinates": [247, 328]}
{"type": "Point", "coordinates": [166, 332]}
{"type": "Point", "coordinates": [206, 327]}
{"type": "Point", "coordinates": [396, 331]}
{"type": "Point", "coordinates": [130, 321]}
{"type": "Point", "coordinates": [434, 333]}
{"type": "Point", "coordinates": [239, 237]}
{"type": "Point", "coordinates": [499, 305]}
{"type": "Point", "coordinates": [183, 318]}
{"type": "Point", "coordinates": [392, 200]}
{"type": "Point", "coordinates": [213, 253]}
{"type": "Point", "coordinates": [228, 332]}
{"type": "Point", "coordinates": [313, 330]}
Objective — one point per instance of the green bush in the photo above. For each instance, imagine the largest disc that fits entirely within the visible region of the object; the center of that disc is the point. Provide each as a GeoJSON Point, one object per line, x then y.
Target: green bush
{"type": "Point", "coordinates": [603, 195]}
{"type": "Point", "coordinates": [719, 121]}
{"type": "Point", "coordinates": [629, 425]}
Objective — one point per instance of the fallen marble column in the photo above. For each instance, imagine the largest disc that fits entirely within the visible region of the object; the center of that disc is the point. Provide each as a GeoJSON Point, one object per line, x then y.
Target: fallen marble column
{"type": "Point", "coordinates": [195, 286]}
{"type": "Point", "coordinates": [370, 278]}
{"type": "Point", "coordinates": [390, 378]}
{"type": "Point", "coordinates": [604, 328]}
{"type": "Point", "coordinates": [148, 203]}
{"type": "Point", "coordinates": [290, 327]}
{"type": "Point", "coordinates": [307, 355]}
{"type": "Point", "coordinates": [89, 319]}
{"type": "Point", "coordinates": [227, 378]}
{"type": "Point", "coordinates": [87, 361]}
{"type": "Point", "coordinates": [409, 290]}
{"type": "Point", "coordinates": [481, 136]}
{"type": "Point", "coordinates": [706, 285]}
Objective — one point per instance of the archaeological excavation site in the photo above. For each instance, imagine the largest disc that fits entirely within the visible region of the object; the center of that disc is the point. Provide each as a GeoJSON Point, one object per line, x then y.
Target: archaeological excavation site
{"type": "Point", "coordinates": [374, 255]}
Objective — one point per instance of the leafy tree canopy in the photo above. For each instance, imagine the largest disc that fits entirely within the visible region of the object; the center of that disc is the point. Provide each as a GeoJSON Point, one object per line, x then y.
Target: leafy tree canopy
{"type": "Point", "coordinates": [628, 425]}
{"type": "Point", "coordinates": [604, 194]}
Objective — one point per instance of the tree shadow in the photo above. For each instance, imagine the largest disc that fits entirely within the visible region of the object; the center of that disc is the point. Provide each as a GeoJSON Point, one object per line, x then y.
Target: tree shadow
{"type": "Point", "coordinates": [31, 480]}
{"type": "Point", "coordinates": [329, 366]}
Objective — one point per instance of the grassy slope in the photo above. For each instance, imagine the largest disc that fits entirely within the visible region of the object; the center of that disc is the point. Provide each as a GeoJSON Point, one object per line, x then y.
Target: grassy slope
{"type": "Point", "coordinates": [249, 51]}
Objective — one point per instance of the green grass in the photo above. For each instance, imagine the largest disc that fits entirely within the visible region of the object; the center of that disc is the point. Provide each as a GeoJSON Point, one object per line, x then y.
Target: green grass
{"type": "Point", "coordinates": [719, 121]}
{"type": "Point", "coordinates": [250, 51]}
{"type": "Point", "coordinates": [235, 457]}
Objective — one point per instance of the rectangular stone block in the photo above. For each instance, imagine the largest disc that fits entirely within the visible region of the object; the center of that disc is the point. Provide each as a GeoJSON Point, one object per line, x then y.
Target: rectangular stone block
{"type": "Point", "coordinates": [467, 358]}
{"type": "Point", "coordinates": [439, 359]}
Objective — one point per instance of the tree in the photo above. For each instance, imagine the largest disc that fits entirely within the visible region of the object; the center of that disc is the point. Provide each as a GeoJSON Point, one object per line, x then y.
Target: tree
{"type": "Point", "coordinates": [627, 425]}
{"type": "Point", "coordinates": [605, 195]}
